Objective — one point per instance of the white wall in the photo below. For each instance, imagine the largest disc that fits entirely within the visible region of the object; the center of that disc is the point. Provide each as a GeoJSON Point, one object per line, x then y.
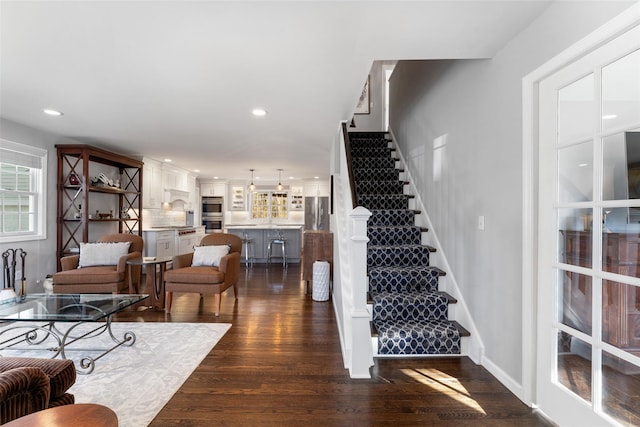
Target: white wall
{"type": "Point", "coordinates": [374, 121]}
{"type": "Point", "coordinates": [41, 254]}
{"type": "Point", "coordinates": [476, 106]}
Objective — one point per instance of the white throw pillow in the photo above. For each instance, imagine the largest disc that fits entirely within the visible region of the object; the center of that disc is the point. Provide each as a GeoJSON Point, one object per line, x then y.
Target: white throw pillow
{"type": "Point", "coordinates": [209, 256]}
{"type": "Point", "coordinates": [92, 254]}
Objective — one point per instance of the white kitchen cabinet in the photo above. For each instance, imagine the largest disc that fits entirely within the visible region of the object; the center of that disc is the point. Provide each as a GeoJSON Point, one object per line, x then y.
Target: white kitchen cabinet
{"type": "Point", "coordinates": [186, 243]}
{"type": "Point", "coordinates": [159, 243]}
{"type": "Point", "coordinates": [174, 178]}
{"type": "Point", "coordinates": [213, 189]}
{"type": "Point", "coordinates": [152, 190]}
{"type": "Point", "coordinates": [192, 203]}
{"type": "Point", "coordinates": [269, 205]}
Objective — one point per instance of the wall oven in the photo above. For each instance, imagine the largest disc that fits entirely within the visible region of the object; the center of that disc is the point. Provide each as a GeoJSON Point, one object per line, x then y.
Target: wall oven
{"type": "Point", "coordinates": [212, 214]}
{"type": "Point", "coordinates": [212, 205]}
{"type": "Point", "coordinates": [213, 223]}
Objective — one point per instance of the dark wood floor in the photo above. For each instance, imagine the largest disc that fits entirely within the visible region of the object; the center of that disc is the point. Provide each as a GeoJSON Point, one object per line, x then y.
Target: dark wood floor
{"type": "Point", "coordinates": [280, 364]}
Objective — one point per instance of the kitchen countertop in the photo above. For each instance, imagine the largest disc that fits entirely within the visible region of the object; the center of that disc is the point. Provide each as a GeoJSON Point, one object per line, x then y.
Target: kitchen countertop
{"type": "Point", "coordinates": [171, 228]}
{"type": "Point", "coordinates": [264, 226]}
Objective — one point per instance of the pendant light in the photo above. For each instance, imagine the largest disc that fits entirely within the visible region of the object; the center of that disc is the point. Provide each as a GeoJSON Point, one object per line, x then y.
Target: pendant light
{"type": "Point", "coordinates": [280, 186]}
{"type": "Point", "coordinates": [252, 186]}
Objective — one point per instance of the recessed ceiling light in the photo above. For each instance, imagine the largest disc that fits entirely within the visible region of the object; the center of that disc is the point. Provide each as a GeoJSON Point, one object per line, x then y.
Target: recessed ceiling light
{"type": "Point", "coordinates": [259, 112]}
{"type": "Point", "coordinates": [609, 116]}
{"type": "Point", "coordinates": [583, 164]}
{"type": "Point", "coordinates": [51, 112]}
{"type": "Point", "coordinates": [196, 170]}
{"type": "Point", "coordinates": [168, 160]}
{"type": "Point", "coordinates": [316, 177]}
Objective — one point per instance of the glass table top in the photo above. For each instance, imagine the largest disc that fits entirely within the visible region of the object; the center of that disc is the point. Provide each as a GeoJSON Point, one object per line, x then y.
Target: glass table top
{"type": "Point", "coordinates": [66, 307]}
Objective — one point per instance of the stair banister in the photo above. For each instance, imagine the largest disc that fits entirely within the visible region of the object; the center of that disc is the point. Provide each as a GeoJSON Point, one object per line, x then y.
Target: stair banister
{"type": "Point", "coordinates": [347, 151]}
{"type": "Point", "coordinates": [350, 255]}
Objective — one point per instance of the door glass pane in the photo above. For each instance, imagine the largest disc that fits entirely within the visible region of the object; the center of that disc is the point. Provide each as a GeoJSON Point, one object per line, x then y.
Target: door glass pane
{"type": "Point", "coordinates": [575, 301]}
{"type": "Point", "coordinates": [621, 315]}
{"type": "Point", "coordinates": [621, 92]}
{"type": "Point", "coordinates": [575, 236]}
{"type": "Point", "coordinates": [620, 390]}
{"type": "Point", "coordinates": [575, 173]}
{"type": "Point", "coordinates": [621, 166]}
{"type": "Point", "coordinates": [574, 365]}
{"type": "Point", "coordinates": [576, 109]}
{"type": "Point", "coordinates": [620, 246]}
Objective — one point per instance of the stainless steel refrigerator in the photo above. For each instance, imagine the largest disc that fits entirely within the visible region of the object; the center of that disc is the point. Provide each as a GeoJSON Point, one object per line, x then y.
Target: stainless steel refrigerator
{"type": "Point", "coordinates": [316, 213]}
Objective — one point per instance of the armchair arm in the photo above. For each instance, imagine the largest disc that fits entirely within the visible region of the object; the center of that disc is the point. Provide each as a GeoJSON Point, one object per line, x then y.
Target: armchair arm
{"type": "Point", "coordinates": [69, 262]}
{"type": "Point", "coordinates": [184, 260]}
{"type": "Point", "coordinates": [23, 391]}
{"type": "Point", "coordinates": [230, 266]}
{"type": "Point", "coordinates": [122, 262]}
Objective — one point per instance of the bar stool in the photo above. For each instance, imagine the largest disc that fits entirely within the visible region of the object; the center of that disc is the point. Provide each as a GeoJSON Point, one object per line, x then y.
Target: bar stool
{"type": "Point", "coordinates": [278, 239]}
{"type": "Point", "coordinates": [247, 244]}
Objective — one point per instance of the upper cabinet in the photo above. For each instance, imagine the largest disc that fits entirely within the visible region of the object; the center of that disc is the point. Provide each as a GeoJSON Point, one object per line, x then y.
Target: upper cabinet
{"type": "Point", "coordinates": [162, 181]}
{"type": "Point", "coordinates": [152, 183]}
{"type": "Point", "coordinates": [99, 193]}
{"type": "Point", "coordinates": [175, 178]}
{"type": "Point", "coordinates": [213, 189]}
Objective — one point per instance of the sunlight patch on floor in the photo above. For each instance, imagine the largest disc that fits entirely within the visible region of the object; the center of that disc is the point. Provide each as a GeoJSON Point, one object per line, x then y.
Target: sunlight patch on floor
{"type": "Point", "coordinates": [445, 384]}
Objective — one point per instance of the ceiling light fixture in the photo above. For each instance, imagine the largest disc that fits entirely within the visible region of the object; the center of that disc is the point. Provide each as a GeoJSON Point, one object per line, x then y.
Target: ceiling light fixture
{"type": "Point", "coordinates": [52, 112]}
{"type": "Point", "coordinates": [168, 160]}
{"type": "Point", "coordinates": [252, 186]}
{"type": "Point", "coordinates": [609, 116]}
{"type": "Point", "coordinates": [259, 112]}
{"type": "Point", "coordinates": [280, 187]}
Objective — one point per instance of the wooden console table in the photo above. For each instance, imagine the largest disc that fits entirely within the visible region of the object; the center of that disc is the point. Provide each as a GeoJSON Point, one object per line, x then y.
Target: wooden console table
{"type": "Point", "coordinates": [620, 302]}
{"type": "Point", "coordinates": [316, 246]}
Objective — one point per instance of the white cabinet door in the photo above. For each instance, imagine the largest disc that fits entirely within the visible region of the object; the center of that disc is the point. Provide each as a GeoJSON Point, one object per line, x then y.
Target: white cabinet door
{"type": "Point", "coordinates": [152, 190]}
{"type": "Point", "coordinates": [174, 179]}
{"type": "Point", "coordinates": [166, 247]}
{"type": "Point", "coordinates": [211, 189]}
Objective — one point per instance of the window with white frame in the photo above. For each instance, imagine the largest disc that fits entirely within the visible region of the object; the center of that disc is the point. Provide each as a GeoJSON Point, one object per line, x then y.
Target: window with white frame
{"type": "Point", "coordinates": [22, 192]}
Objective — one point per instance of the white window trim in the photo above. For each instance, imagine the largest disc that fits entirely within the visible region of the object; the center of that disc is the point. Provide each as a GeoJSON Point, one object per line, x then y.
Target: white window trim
{"type": "Point", "coordinates": [40, 232]}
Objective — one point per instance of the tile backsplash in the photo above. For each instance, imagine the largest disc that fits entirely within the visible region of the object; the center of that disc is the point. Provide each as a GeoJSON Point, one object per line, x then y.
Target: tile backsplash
{"type": "Point", "coordinates": [163, 218]}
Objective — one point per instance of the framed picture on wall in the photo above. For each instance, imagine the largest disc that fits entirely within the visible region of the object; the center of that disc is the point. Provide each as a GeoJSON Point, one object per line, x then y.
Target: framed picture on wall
{"type": "Point", "coordinates": [363, 102]}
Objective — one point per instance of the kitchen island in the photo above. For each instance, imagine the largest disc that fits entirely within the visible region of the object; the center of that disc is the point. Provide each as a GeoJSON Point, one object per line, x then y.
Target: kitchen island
{"type": "Point", "coordinates": [260, 235]}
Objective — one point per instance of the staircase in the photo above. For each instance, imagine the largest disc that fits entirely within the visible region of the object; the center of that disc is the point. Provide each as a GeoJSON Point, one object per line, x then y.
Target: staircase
{"type": "Point", "coordinates": [409, 314]}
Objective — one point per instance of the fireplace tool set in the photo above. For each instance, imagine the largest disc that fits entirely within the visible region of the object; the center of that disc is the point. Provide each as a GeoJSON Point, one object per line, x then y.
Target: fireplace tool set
{"type": "Point", "coordinates": [9, 264]}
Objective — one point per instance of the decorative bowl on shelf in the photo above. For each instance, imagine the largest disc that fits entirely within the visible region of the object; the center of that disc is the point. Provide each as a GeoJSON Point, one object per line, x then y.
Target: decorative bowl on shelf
{"type": "Point", "coordinates": [104, 215]}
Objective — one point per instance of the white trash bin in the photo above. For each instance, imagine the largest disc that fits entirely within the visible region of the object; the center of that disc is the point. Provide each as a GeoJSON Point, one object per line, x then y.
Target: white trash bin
{"type": "Point", "coordinates": [321, 274]}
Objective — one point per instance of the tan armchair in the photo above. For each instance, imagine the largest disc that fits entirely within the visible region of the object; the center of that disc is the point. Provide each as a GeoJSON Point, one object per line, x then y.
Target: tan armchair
{"type": "Point", "coordinates": [102, 278]}
{"type": "Point", "coordinates": [204, 279]}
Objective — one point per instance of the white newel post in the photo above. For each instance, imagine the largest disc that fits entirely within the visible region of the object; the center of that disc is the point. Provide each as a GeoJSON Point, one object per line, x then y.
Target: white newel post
{"type": "Point", "coordinates": [362, 354]}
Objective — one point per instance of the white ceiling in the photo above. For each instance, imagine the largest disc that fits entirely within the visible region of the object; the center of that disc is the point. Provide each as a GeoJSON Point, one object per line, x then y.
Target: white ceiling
{"type": "Point", "coordinates": [179, 79]}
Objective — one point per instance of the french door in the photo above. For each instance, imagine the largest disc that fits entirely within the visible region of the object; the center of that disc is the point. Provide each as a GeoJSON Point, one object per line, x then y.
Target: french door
{"type": "Point", "coordinates": [588, 357]}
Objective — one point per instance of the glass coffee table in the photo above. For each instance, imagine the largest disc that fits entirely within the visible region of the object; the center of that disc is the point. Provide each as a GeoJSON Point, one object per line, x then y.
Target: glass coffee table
{"type": "Point", "coordinates": [34, 324]}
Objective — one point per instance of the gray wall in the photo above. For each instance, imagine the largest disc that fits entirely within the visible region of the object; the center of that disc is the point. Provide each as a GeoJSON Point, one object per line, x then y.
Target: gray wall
{"type": "Point", "coordinates": [41, 254]}
{"type": "Point", "coordinates": [476, 106]}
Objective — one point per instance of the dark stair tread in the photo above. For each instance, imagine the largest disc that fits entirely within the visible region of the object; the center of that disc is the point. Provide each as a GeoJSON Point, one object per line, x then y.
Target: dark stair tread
{"type": "Point", "coordinates": [430, 248]}
{"type": "Point", "coordinates": [449, 297]}
{"type": "Point", "coordinates": [440, 271]}
{"type": "Point", "coordinates": [461, 329]}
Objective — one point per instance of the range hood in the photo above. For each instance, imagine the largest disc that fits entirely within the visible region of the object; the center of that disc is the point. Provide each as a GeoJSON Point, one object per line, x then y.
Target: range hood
{"type": "Point", "coordinates": [173, 195]}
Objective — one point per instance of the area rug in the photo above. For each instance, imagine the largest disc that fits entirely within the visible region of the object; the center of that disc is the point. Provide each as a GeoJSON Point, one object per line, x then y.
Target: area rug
{"type": "Point", "coordinates": [137, 381]}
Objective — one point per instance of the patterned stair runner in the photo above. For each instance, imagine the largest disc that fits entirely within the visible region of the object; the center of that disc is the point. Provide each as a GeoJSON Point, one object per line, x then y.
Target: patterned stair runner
{"type": "Point", "coordinates": [409, 313]}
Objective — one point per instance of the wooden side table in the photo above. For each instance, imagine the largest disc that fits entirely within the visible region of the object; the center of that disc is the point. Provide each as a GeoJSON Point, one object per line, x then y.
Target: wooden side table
{"type": "Point", "coordinates": [154, 285]}
{"type": "Point", "coordinates": [77, 415]}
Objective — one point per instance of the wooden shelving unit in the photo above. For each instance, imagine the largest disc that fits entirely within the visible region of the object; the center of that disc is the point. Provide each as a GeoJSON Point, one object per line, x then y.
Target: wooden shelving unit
{"type": "Point", "coordinates": [80, 195]}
